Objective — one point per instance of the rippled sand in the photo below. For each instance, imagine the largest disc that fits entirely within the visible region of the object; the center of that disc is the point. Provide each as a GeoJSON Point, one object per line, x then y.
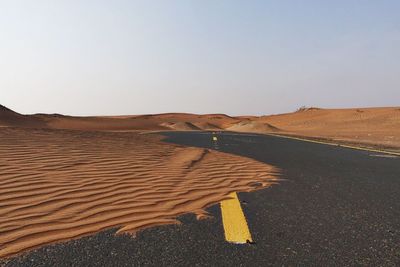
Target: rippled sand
{"type": "Point", "coordinates": [57, 185]}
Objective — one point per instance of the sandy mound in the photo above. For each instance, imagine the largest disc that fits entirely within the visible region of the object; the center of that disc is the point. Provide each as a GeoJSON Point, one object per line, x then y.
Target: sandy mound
{"type": "Point", "coordinates": [57, 185]}
{"type": "Point", "coordinates": [253, 126]}
{"type": "Point", "coordinates": [151, 122]}
{"type": "Point", "coordinates": [375, 126]}
{"type": "Point", "coordinates": [167, 121]}
{"type": "Point", "coordinates": [181, 126]}
{"type": "Point", "coordinates": [11, 118]}
{"type": "Point", "coordinates": [207, 126]}
{"type": "Point", "coordinates": [5, 112]}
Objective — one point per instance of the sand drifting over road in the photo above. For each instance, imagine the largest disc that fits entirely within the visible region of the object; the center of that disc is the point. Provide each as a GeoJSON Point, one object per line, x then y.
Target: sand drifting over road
{"type": "Point", "coordinates": [57, 185]}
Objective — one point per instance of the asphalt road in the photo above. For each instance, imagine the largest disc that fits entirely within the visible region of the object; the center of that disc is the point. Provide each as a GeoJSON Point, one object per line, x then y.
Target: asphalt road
{"type": "Point", "coordinates": [336, 207]}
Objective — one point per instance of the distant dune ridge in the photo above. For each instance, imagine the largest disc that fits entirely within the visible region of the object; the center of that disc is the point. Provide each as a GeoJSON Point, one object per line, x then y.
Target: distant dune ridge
{"type": "Point", "coordinates": [368, 126]}
{"type": "Point", "coordinates": [9, 117]}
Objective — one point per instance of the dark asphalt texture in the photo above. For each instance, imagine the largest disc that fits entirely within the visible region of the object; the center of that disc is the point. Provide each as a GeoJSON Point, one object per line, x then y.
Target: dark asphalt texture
{"type": "Point", "coordinates": [336, 207]}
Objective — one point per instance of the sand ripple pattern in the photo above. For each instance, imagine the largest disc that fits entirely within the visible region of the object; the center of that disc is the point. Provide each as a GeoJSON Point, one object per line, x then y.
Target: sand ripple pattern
{"type": "Point", "coordinates": [57, 185]}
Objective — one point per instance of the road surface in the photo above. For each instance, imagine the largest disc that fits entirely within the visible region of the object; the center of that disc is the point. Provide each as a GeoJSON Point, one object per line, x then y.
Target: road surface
{"type": "Point", "coordinates": [336, 207]}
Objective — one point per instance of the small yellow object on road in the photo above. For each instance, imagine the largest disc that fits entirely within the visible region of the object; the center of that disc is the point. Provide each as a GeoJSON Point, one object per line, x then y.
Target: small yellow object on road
{"type": "Point", "coordinates": [214, 138]}
{"type": "Point", "coordinates": [235, 225]}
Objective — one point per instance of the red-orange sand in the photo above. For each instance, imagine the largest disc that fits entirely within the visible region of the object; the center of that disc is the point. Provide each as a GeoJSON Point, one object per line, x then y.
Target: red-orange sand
{"type": "Point", "coordinates": [58, 184]}
{"type": "Point", "coordinates": [366, 126]}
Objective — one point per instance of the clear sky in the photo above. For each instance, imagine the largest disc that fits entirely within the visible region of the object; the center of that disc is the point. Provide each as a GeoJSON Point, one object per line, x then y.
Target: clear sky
{"type": "Point", "coordinates": [83, 57]}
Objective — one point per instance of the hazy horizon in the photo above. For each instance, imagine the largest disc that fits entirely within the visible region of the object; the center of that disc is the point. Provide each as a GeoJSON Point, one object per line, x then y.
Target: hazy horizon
{"type": "Point", "coordinates": [203, 113]}
{"type": "Point", "coordinates": [232, 57]}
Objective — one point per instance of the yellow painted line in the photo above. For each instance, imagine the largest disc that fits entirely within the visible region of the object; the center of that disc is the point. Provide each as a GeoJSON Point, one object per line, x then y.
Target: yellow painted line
{"type": "Point", "coordinates": [337, 144]}
{"type": "Point", "coordinates": [235, 225]}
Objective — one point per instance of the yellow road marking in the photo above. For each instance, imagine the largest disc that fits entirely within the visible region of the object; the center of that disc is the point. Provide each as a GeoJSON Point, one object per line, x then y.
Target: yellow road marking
{"type": "Point", "coordinates": [235, 225]}
{"type": "Point", "coordinates": [337, 144]}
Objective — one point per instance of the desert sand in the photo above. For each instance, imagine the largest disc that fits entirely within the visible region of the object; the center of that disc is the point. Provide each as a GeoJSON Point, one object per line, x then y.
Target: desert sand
{"type": "Point", "coordinates": [63, 177]}
{"type": "Point", "coordinates": [57, 184]}
{"type": "Point", "coordinates": [376, 127]}
{"type": "Point", "coordinates": [371, 127]}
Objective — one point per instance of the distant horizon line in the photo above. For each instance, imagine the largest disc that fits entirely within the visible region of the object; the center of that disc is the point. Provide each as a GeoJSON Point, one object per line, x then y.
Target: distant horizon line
{"type": "Point", "coordinates": [302, 108]}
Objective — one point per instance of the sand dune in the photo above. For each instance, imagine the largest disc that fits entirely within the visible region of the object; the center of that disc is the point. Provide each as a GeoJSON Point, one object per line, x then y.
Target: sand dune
{"type": "Point", "coordinates": [168, 121]}
{"type": "Point", "coordinates": [57, 184]}
{"type": "Point", "coordinates": [370, 126]}
{"type": "Point", "coordinates": [181, 126]}
{"type": "Point", "coordinates": [12, 118]}
{"type": "Point", "coordinates": [253, 127]}
{"type": "Point", "coordinates": [207, 126]}
{"type": "Point", "coordinates": [188, 126]}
